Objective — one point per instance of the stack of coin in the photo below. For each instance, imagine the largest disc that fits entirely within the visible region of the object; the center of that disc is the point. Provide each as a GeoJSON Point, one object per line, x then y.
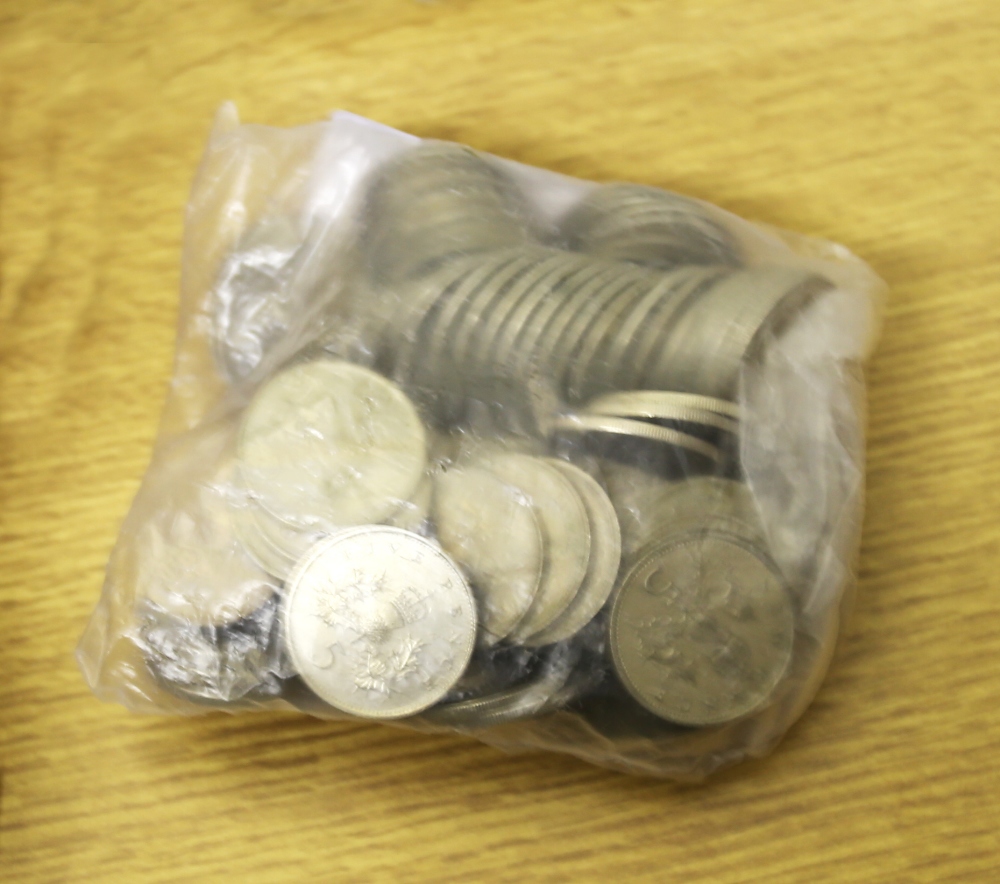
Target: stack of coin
{"type": "Point", "coordinates": [481, 327]}
{"type": "Point", "coordinates": [684, 420]}
{"type": "Point", "coordinates": [539, 540]}
{"type": "Point", "coordinates": [437, 201]}
{"type": "Point", "coordinates": [645, 225]}
{"type": "Point", "coordinates": [397, 572]}
{"type": "Point", "coordinates": [326, 445]}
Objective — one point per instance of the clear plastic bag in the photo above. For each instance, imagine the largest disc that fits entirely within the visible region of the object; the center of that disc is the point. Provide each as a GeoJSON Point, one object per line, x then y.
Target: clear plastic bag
{"type": "Point", "coordinates": [461, 444]}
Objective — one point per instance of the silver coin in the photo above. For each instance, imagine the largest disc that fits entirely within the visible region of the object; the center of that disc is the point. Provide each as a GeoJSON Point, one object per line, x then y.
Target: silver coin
{"type": "Point", "coordinates": [535, 344]}
{"type": "Point", "coordinates": [636, 402]}
{"type": "Point", "coordinates": [586, 369]}
{"type": "Point", "coordinates": [524, 322]}
{"type": "Point", "coordinates": [379, 622]}
{"type": "Point", "coordinates": [692, 288]}
{"type": "Point", "coordinates": [565, 338]}
{"type": "Point", "coordinates": [328, 444]}
{"type": "Point", "coordinates": [267, 555]}
{"type": "Point", "coordinates": [414, 513]}
{"type": "Point", "coordinates": [656, 406]}
{"type": "Point", "coordinates": [440, 367]}
{"type": "Point", "coordinates": [492, 531]}
{"type": "Point", "coordinates": [702, 630]}
{"type": "Point", "coordinates": [473, 337]}
{"type": "Point", "coordinates": [539, 695]}
{"type": "Point", "coordinates": [616, 426]}
{"type": "Point", "coordinates": [426, 299]}
{"type": "Point", "coordinates": [650, 508]}
{"type": "Point", "coordinates": [565, 528]}
{"type": "Point", "coordinates": [649, 226]}
{"type": "Point", "coordinates": [480, 358]}
{"type": "Point", "coordinates": [605, 558]}
{"type": "Point", "coordinates": [626, 350]}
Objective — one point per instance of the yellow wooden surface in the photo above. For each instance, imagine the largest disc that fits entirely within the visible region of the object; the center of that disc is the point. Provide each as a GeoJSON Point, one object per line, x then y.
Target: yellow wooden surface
{"type": "Point", "coordinates": [870, 122]}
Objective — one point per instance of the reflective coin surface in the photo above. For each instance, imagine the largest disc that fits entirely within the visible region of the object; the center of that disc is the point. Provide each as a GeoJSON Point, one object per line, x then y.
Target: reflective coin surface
{"type": "Point", "coordinates": [618, 426]}
{"type": "Point", "coordinates": [566, 530]}
{"type": "Point", "coordinates": [605, 558]}
{"type": "Point", "coordinates": [701, 630]}
{"type": "Point", "coordinates": [379, 622]}
{"type": "Point", "coordinates": [492, 531]}
{"type": "Point", "coordinates": [328, 444]}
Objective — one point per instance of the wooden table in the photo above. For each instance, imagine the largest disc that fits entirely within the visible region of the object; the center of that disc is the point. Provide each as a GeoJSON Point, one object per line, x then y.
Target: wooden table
{"type": "Point", "coordinates": [872, 123]}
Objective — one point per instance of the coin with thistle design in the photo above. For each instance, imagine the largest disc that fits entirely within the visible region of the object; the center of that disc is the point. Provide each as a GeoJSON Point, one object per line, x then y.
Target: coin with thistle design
{"type": "Point", "coordinates": [379, 622]}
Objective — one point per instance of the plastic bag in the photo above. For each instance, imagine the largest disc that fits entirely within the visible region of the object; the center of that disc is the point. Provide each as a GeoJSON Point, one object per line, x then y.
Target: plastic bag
{"type": "Point", "coordinates": [462, 444]}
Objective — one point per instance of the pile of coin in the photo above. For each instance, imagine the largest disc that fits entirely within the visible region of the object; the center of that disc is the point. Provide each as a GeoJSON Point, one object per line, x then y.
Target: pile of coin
{"type": "Point", "coordinates": [539, 539]}
{"type": "Point", "coordinates": [657, 300]}
{"type": "Point", "coordinates": [508, 579]}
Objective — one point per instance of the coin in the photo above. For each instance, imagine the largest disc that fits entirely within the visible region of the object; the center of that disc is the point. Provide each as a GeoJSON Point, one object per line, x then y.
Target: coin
{"type": "Point", "coordinates": [492, 531]}
{"type": "Point", "coordinates": [635, 402]}
{"type": "Point", "coordinates": [541, 694]}
{"type": "Point", "coordinates": [616, 426]}
{"type": "Point", "coordinates": [586, 369]}
{"type": "Point", "coordinates": [661, 406]}
{"type": "Point", "coordinates": [689, 287]}
{"type": "Point", "coordinates": [379, 622]}
{"type": "Point", "coordinates": [437, 201]}
{"type": "Point", "coordinates": [650, 508]}
{"type": "Point", "coordinates": [565, 528]}
{"type": "Point", "coordinates": [534, 345]}
{"type": "Point", "coordinates": [414, 513]}
{"type": "Point", "coordinates": [701, 631]}
{"type": "Point", "coordinates": [605, 557]}
{"type": "Point", "coordinates": [328, 444]}
{"type": "Point", "coordinates": [649, 226]}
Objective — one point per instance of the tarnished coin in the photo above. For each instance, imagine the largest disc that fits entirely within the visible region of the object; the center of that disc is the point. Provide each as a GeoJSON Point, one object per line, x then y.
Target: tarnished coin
{"type": "Point", "coordinates": [379, 622]}
{"type": "Point", "coordinates": [616, 426]}
{"type": "Point", "coordinates": [565, 528]}
{"type": "Point", "coordinates": [651, 508]}
{"type": "Point", "coordinates": [701, 630]}
{"type": "Point", "coordinates": [327, 444]}
{"type": "Point", "coordinates": [492, 531]}
{"type": "Point", "coordinates": [605, 558]}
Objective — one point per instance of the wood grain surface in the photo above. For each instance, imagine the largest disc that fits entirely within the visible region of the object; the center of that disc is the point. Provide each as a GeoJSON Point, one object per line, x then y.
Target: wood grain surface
{"type": "Point", "coordinates": [873, 123]}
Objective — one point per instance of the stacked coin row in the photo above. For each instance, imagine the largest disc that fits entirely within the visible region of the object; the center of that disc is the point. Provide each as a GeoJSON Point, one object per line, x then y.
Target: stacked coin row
{"type": "Point", "coordinates": [497, 317]}
{"type": "Point", "coordinates": [538, 538]}
{"type": "Point", "coordinates": [645, 225]}
{"type": "Point", "coordinates": [683, 420]}
{"type": "Point", "coordinates": [437, 202]}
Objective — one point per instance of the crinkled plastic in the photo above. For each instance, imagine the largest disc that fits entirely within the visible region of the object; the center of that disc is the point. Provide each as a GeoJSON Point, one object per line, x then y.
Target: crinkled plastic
{"type": "Point", "coordinates": [456, 443]}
